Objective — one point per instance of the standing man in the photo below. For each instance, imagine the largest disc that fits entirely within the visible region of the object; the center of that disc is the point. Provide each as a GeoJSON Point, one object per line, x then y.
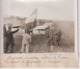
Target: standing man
{"type": "Point", "coordinates": [10, 39]}
{"type": "Point", "coordinates": [26, 41]}
{"type": "Point", "coordinates": [50, 36]}
{"type": "Point", "coordinates": [58, 39]}
{"type": "Point", "coordinates": [50, 39]}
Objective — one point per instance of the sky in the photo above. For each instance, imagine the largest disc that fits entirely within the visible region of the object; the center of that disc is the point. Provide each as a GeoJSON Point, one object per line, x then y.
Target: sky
{"type": "Point", "coordinates": [46, 9]}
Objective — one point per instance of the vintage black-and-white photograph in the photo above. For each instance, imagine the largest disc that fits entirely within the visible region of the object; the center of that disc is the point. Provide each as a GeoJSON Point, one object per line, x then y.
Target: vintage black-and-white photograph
{"type": "Point", "coordinates": [46, 26]}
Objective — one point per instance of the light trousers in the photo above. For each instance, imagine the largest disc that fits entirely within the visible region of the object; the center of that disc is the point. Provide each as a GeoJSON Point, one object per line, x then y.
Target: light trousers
{"type": "Point", "coordinates": [25, 48]}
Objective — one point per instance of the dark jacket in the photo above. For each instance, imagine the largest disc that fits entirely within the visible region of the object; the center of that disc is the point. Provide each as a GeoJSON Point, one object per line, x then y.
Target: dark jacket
{"type": "Point", "coordinates": [9, 36]}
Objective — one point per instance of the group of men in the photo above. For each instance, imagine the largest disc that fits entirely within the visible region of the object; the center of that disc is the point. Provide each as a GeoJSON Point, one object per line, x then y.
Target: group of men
{"type": "Point", "coordinates": [54, 36]}
{"type": "Point", "coordinates": [9, 40]}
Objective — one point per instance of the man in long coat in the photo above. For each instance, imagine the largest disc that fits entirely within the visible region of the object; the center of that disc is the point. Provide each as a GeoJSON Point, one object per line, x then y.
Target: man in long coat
{"type": "Point", "coordinates": [10, 40]}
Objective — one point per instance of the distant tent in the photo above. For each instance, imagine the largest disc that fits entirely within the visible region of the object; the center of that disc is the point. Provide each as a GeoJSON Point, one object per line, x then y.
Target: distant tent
{"type": "Point", "coordinates": [49, 24]}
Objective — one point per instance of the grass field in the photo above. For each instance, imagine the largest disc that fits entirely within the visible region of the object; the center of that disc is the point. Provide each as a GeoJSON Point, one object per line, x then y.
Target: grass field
{"type": "Point", "coordinates": [40, 42]}
{"type": "Point", "coordinates": [39, 45]}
